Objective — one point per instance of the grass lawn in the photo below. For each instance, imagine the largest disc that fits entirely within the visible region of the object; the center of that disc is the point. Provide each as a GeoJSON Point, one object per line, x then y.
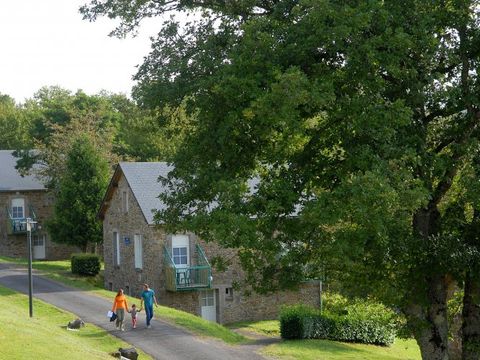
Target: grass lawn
{"type": "Point", "coordinates": [332, 350]}
{"type": "Point", "coordinates": [265, 327]}
{"type": "Point", "coordinates": [60, 271]}
{"type": "Point", "coordinates": [328, 350]}
{"type": "Point", "coordinates": [198, 325]}
{"type": "Point", "coordinates": [44, 336]}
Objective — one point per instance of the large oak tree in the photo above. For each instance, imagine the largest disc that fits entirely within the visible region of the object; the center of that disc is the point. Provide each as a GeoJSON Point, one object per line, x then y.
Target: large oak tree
{"type": "Point", "coordinates": [360, 121]}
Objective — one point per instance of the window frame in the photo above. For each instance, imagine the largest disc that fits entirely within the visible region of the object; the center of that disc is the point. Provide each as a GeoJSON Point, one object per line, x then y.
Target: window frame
{"type": "Point", "coordinates": [180, 242]}
{"type": "Point", "coordinates": [125, 201]}
{"type": "Point", "coordinates": [116, 249]}
{"type": "Point", "coordinates": [15, 208]}
{"type": "Point", "coordinates": [138, 251]}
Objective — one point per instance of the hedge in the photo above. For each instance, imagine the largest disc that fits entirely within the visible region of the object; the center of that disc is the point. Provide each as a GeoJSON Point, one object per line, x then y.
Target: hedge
{"type": "Point", "coordinates": [85, 264]}
{"type": "Point", "coordinates": [301, 322]}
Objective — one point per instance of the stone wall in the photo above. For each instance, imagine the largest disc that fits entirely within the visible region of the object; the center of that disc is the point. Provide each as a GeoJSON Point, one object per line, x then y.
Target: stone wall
{"type": "Point", "coordinates": [127, 225]}
{"type": "Point", "coordinates": [16, 245]}
{"type": "Point", "coordinates": [255, 307]}
{"type": "Point", "coordinates": [231, 307]}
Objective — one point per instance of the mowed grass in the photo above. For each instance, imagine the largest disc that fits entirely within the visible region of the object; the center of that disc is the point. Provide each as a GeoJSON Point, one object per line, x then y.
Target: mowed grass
{"type": "Point", "coordinates": [332, 350]}
{"type": "Point", "coordinates": [44, 336]}
{"type": "Point", "coordinates": [60, 271]}
{"type": "Point", "coordinates": [264, 327]}
{"type": "Point", "coordinates": [198, 325]}
{"type": "Point", "coordinates": [328, 350]}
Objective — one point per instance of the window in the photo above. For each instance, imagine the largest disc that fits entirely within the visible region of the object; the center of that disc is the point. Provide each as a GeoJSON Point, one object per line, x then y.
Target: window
{"type": "Point", "coordinates": [116, 248]}
{"type": "Point", "coordinates": [18, 206]}
{"type": "Point", "coordinates": [208, 298]}
{"type": "Point", "coordinates": [138, 249]}
{"type": "Point", "coordinates": [180, 256]}
{"type": "Point", "coordinates": [180, 244]}
{"type": "Point", "coordinates": [38, 240]}
{"type": "Point", "coordinates": [125, 202]}
{"type": "Point", "coordinates": [228, 293]}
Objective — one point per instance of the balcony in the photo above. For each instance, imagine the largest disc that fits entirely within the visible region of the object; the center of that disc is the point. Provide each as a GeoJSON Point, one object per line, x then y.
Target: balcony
{"type": "Point", "coordinates": [181, 278]}
{"type": "Point", "coordinates": [19, 225]}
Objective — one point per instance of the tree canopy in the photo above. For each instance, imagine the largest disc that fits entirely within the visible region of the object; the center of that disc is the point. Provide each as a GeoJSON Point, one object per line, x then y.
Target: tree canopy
{"type": "Point", "coordinates": [13, 124]}
{"type": "Point", "coordinates": [359, 122]}
{"type": "Point", "coordinates": [81, 190]}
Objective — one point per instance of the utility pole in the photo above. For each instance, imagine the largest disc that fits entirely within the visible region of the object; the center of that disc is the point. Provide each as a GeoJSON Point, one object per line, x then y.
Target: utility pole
{"type": "Point", "coordinates": [29, 224]}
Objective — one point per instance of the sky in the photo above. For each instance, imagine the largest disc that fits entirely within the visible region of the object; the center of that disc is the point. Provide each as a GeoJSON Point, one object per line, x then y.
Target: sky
{"type": "Point", "coordinates": [46, 43]}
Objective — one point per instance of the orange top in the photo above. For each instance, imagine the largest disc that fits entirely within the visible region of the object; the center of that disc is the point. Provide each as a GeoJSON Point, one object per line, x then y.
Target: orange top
{"type": "Point", "coordinates": [120, 302]}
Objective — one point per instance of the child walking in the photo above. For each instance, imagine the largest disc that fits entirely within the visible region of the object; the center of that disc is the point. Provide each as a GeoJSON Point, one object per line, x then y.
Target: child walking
{"type": "Point", "coordinates": [134, 312]}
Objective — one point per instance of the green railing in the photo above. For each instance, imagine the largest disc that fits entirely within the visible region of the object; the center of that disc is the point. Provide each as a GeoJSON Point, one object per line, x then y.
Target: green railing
{"type": "Point", "coordinates": [180, 278]}
{"type": "Point", "coordinates": [19, 225]}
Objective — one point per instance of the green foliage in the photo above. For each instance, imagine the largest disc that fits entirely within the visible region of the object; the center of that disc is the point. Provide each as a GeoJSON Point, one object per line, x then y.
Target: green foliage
{"type": "Point", "coordinates": [362, 323]}
{"type": "Point", "coordinates": [85, 264]}
{"type": "Point", "coordinates": [358, 117]}
{"type": "Point", "coordinates": [81, 189]}
{"type": "Point", "coordinates": [293, 321]}
{"type": "Point", "coordinates": [14, 125]}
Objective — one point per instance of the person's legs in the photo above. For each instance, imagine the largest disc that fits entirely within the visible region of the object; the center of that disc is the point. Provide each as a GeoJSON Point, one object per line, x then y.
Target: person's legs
{"type": "Point", "coordinates": [134, 321]}
{"type": "Point", "coordinates": [117, 320]}
{"type": "Point", "coordinates": [149, 313]}
{"type": "Point", "coordinates": [121, 317]}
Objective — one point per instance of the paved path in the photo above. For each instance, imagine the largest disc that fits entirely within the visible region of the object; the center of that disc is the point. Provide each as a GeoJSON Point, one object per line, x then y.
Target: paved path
{"type": "Point", "coordinates": [162, 341]}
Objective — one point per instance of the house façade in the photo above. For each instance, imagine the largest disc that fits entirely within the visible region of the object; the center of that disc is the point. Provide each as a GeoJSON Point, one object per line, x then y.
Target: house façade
{"type": "Point", "coordinates": [23, 197]}
{"type": "Point", "coordinates": [176, 266]}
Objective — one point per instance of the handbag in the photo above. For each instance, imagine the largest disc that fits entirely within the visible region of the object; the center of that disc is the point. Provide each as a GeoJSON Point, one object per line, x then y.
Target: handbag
{"type": "Point", "coordinates": [113, 317]}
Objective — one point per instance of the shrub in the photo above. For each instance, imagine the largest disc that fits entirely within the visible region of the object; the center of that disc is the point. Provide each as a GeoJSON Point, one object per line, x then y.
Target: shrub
{"type": "Point", "coordinates": [366, 322]}
{"type": "Point", "coordinates": [293, 321]}
{"type": "Point", "coordinates": [85, 264]}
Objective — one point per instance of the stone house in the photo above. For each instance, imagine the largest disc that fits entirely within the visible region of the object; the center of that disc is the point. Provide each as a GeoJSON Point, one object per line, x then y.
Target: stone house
{"type": "Point", "coordinates": [24, 197]}
{"type": "Point", "coordinates": [176, 266]}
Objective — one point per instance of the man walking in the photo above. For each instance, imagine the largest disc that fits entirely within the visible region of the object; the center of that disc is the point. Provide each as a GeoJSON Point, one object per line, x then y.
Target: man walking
{"type": "Point", "coordinates": [148, 296]}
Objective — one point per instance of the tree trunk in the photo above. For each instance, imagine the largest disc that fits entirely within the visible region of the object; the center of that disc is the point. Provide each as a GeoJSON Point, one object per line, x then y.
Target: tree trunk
{"type": "Point", "coordinates": [430, 323]}
{"type": "Point", "coordinates": [471, 318]}
{"type": "Point", "coordinates": [85, 248]}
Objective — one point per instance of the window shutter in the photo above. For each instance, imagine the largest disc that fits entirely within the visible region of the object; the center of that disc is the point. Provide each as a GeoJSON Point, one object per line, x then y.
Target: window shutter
{"type": "Point", "coordinates": [138, 247]}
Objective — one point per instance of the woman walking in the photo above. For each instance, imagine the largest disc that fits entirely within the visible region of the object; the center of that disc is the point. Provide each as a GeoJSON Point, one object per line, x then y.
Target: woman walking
{"type": "Point", "coordinates": [119, 308]}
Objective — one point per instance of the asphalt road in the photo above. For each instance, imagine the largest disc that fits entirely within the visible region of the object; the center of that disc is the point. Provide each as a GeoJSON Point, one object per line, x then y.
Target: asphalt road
{"type": "Point", "coordinates": [162, 341]}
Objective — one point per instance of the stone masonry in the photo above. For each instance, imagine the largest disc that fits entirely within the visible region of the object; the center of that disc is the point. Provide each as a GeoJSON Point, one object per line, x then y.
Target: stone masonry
{"type": "Point", "coordinates": [15, 245]}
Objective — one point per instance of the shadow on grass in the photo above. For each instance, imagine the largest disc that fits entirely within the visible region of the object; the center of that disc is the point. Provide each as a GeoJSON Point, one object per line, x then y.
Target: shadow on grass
{"type": "Point", "coordinates": [337, 349]}
{"type": "Point", "coordinates": [6, 291]}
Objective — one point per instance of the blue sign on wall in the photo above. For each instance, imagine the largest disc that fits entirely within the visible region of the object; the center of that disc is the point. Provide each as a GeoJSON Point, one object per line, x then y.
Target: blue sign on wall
{"type": "Point", "coordinates": [126, 239]}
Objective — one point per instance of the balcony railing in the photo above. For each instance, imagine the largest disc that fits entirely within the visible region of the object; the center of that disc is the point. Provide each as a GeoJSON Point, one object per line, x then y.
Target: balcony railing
{"type": "Point", "coordinates": [181, 278]}
{"type": "Point", "coordinates": [19, 225]}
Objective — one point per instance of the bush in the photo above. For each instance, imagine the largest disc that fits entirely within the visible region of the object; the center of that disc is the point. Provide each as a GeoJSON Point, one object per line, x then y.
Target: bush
{"type": "Point", "coordinates": [85, 264]}
{"type": "Point", "coordinates": [293, 321]}
{"type": "Point", "coordinates": [368, 323]}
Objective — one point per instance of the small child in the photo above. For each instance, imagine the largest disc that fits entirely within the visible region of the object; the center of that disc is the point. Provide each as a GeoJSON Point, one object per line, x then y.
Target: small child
{"type": "Point", "coordinates": [134, 312]}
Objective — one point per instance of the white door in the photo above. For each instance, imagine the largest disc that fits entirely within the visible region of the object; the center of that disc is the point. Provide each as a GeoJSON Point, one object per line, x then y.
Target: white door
{"type": "Point", "coordinates": [209, 310]}
{"type": "Point", "coordinates": [38, 246]}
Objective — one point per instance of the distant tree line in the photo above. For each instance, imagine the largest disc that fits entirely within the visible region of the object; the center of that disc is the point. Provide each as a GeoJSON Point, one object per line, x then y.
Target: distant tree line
{"type": "Point", "coordinates": [71, 142]}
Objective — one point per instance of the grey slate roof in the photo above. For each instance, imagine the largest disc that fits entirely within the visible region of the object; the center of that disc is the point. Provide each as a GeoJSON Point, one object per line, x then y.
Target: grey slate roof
{"type": "Point", "coordinates": [10, 179]}
{"type": "Point", "coordinates": [143, 180]}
